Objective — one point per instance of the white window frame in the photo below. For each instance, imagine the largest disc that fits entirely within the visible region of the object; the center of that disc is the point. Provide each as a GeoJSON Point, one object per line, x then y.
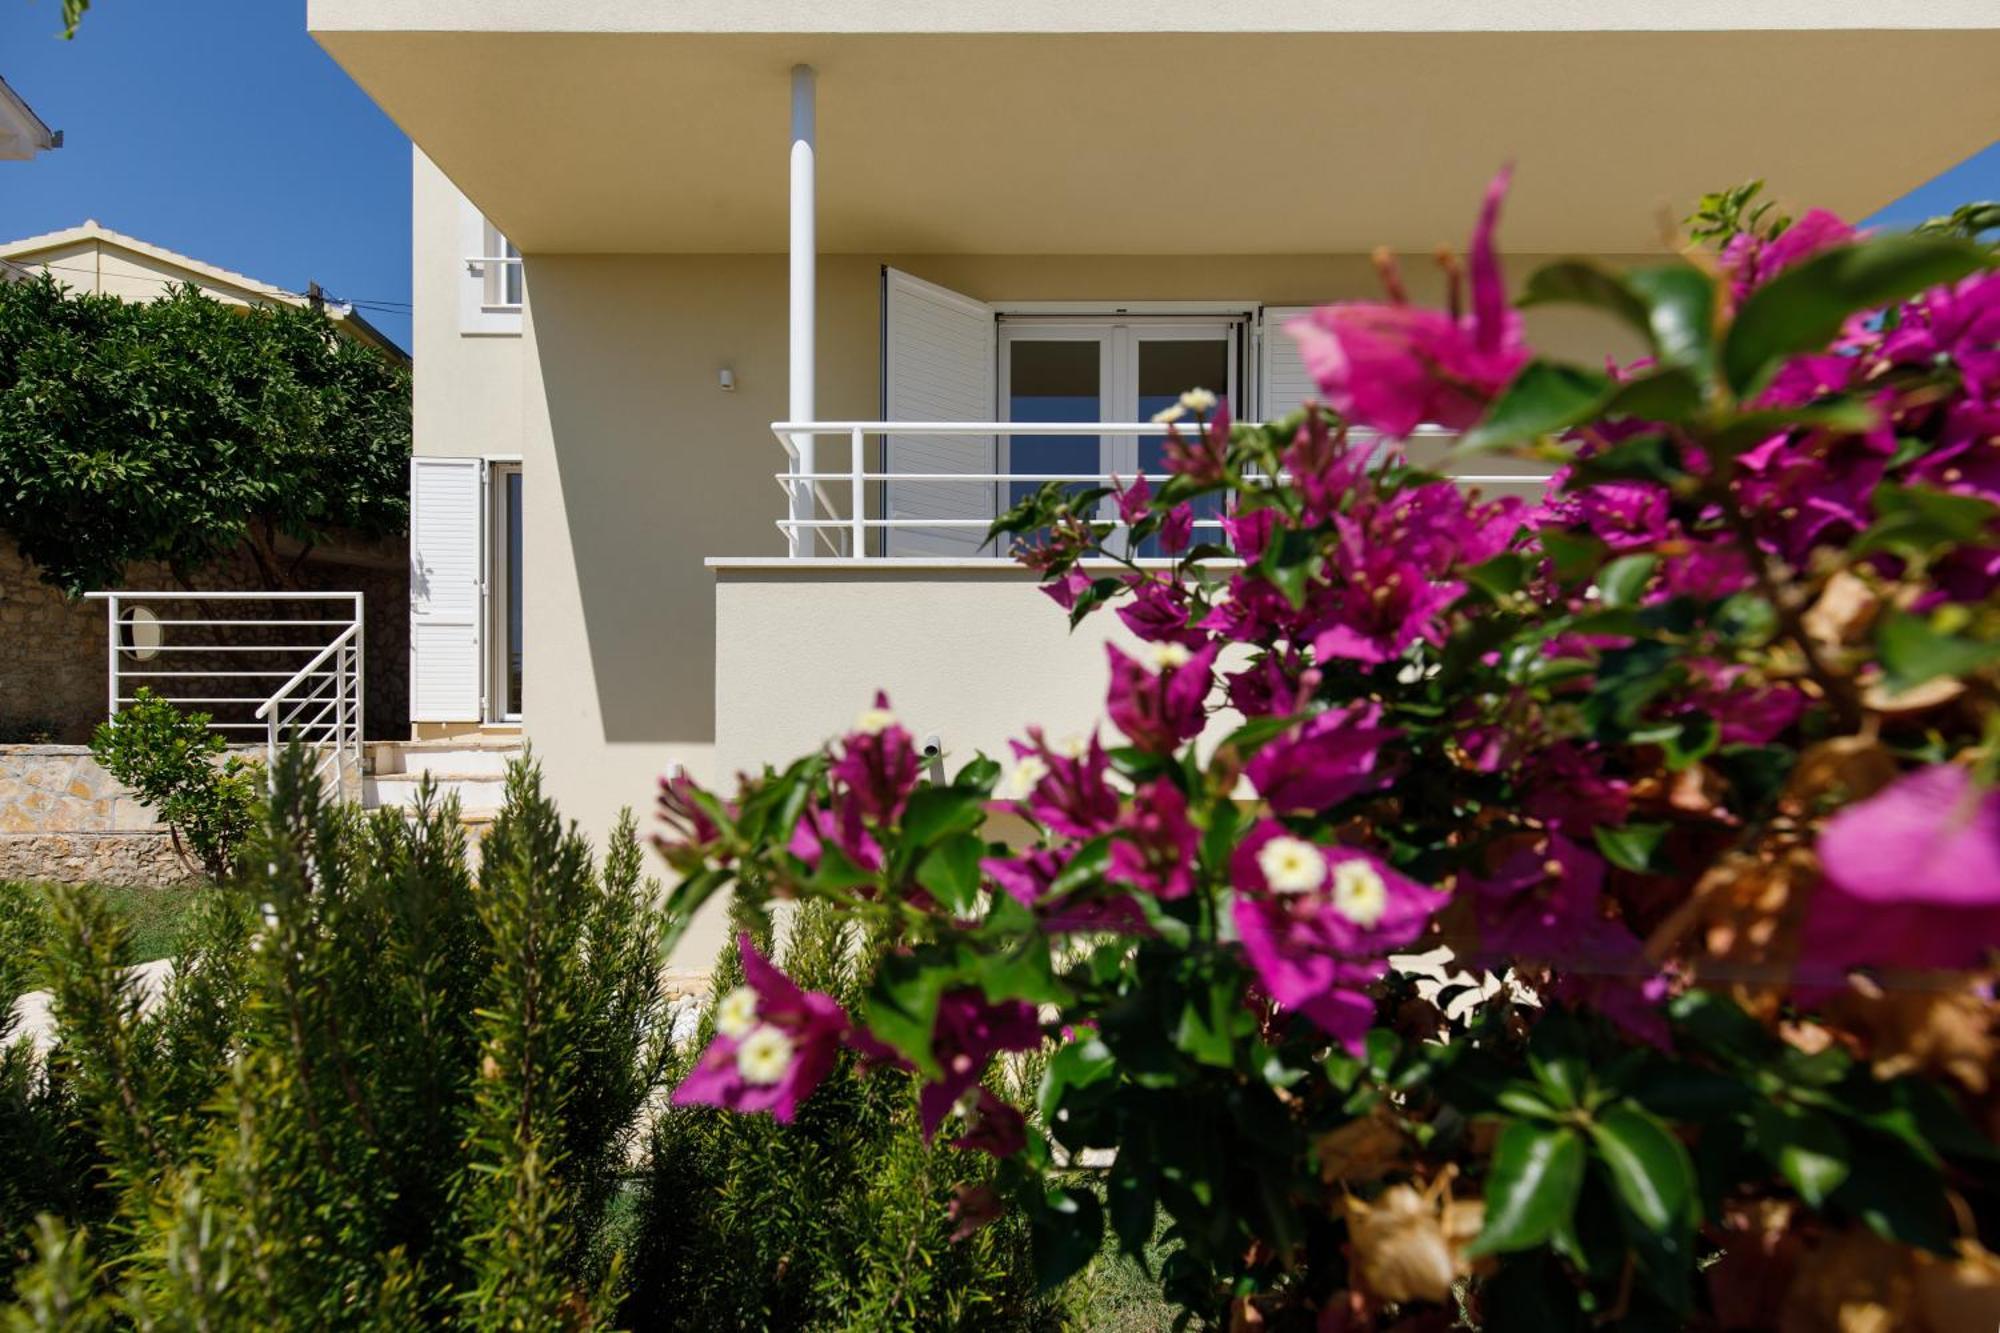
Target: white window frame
{"type": "Point", "coordinates": [483, 284]}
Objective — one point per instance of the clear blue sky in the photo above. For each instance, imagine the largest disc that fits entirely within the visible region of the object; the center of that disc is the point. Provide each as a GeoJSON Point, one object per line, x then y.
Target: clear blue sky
{"type": "Point", "coordinates": [219, 129]}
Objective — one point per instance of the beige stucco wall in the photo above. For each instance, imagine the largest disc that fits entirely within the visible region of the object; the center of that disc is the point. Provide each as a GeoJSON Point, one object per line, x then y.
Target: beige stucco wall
{"type": "Point", "coordinates": [467, 395]}
{"type": "Point", "coordinates": [108, 270]}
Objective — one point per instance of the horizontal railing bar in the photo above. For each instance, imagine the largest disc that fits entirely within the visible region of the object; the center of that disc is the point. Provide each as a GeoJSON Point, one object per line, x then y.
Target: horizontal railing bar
{"type": "Point", "coordinates": [251, 624]}
{"type": "Point", "coordinates": [817, 428]}
{"type": "Point", "coordinates": [196, 699]}
{"type": "Point", "coordinates": [222, 596]}
{"type": "Point", "coordinates": [789, 523]}
{"type": "Point", "coordinates": [195, 673]}
{"type": "Point", "coordinates": [230, 647]}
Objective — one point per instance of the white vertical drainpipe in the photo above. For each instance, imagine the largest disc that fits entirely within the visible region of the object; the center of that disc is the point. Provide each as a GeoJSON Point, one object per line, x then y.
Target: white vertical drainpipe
{"type": "Point", "coordinates": [805, 261]}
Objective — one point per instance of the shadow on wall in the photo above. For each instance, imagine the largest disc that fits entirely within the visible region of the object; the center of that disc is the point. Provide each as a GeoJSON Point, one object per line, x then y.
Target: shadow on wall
{"type": "Point", "coordinates": [657, 468]}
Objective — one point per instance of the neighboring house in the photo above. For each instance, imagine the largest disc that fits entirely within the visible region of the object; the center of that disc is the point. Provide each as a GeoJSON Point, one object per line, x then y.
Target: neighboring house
{"type": "Point", "coordinates": [983, 212]}
{"type": "Point", "coordinates": [93, 258]}
{"type": "Point", "coordinates": [22, 133]}
{"type": "Point", "coordinates": [52, 649]}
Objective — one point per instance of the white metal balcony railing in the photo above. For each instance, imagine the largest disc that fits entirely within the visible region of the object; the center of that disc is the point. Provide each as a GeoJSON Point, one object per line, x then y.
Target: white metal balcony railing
{"type": "Point", "coordinates": [283, 666]}
{"type": "Point", "coordinates": [813, 519]}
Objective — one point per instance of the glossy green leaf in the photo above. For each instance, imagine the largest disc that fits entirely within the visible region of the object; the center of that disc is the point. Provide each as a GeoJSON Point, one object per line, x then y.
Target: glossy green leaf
{"type": "Point", "coordinates": [1633, 847]}
{"type": "Point", "coordinates": [1912, 651]}
{"type": "Point", "coordinates": [686, 900]}
{"type": "Point", "coordinates": [951, 872]}
{"type": "Point", "coordinates": [1917, 521]}
{"type": "Point", "coordinates": [1080, 1064]}
{"type": "Point", "coordinates": [1803, 308]}
{"type": "Point", "coordinates": [1531, 1187]}
{"type": "Point", "coordinates": [934, 813]}
{"type": "Point", "coordinates": [1807, 1147]}
{"type": "Point", "coordinates": [1649, 1167]}
{"type": "Point", "coordinates": [1680, 312]}
{"type": "Point", "coordinates": [901, 1006]}
{"type": "Point", "coordinates": [1670, 395]}
{"type": "Point", "coordinates": [1649, 457]}
{"type": "Point", "coordinates": [1623, 582]}
{"type": "Point", "coordinates": [1547, 397]}
{"type": "Point", "coordinates": [1065, 1230]}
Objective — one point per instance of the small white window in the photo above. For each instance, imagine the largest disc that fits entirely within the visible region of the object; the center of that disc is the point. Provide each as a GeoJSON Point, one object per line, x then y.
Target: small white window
{"type": "Point", "coordinates": [493, 283]}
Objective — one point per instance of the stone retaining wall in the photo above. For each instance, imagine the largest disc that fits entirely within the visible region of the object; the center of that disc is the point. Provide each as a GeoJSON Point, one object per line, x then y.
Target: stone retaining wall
{"type": "Point", "coordinates": [52, 648]}
{"type": "Point", "coordinates": [63, 818]}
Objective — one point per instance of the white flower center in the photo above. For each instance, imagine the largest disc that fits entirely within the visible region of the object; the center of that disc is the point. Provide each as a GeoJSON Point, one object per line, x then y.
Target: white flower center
{"type": "Point", "coordinates": [1172, 412]}
{"type": "Point", "coordinates": [737, 1014]}
{"type": "Point", "coordinates": [1359, 893]}
{"type": "Point", "coordinates": [1166, 656]}
{"type": "Point", "coordinates": [1073, 746]}
{"type": "Point", "coordinates": [874, 721]}
{"type": "Point", "coordinates": [1198, 400]}
{"type": "Point", "coordinates": [764, 1056]}
{"type": "Point", "coordinates": [1291, 865]}
{"type": "Point", "coordinates": [1027, 776]}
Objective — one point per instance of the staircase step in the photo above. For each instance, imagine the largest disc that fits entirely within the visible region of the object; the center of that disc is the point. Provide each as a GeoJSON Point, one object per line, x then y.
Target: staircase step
{"type": "Point", "coordinates": [477, 793]}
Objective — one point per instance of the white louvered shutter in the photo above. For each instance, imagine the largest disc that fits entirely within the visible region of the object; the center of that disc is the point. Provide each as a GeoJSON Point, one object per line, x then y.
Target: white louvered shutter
{"type": "Point", "coordinates": [447, 539]}
{"type": "Point", "coordinates": [1281, 371]}
{"type": "Point", "coordinates": [938, 365]}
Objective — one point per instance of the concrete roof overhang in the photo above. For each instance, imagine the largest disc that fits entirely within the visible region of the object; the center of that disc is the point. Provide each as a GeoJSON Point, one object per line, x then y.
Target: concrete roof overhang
{"type": "Point", "coordinates": [1165, 127]}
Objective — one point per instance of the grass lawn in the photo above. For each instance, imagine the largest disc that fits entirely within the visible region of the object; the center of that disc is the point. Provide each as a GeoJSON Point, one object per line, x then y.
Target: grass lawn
{"type": "Point", "coordinates": [153, 915]}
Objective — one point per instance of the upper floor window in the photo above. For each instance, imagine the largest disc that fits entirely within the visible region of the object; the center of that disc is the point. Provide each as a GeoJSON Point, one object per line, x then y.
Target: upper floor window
{"type": "Point", "coordinates": [493, 283]}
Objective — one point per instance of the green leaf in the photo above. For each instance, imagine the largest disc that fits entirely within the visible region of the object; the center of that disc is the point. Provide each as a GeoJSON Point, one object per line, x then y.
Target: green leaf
{"type": "Point", "coordinates": [1807, 1147]}
{"type": "Point", "coordinates": [1632, 847]}
{"type": "Point", "coordinates": [1623, 582]}
{"type": "Point", "coordinates": [1547, 397]}
{"type": "Point", "coordinates": [686, 901]}
{"type": "Point", "coordinates": [1912, 652]}
{"type": "Point", "coordinates": [1583, 282]}
{"type": "Point", "coordinates": [1502, 576]}
{"type": "Point", "coordinates": [951, 872]}
{"type": "Point", "coordinates": [1065, 1230]}
{"type": "Point", "coordinates": [1575, 556]}
{"type": "Point", "coordinates": [1531, 1187]}
{"type": "Point", "coordinates": [1649, 1168]}
{"type": "Point", "coordinates": [1916, 521]}
{"type": "Point", "coordinates": [1080, 1064]}
{"type": "Point", "coordinates": [1680, 312]}
{"type": "Point", "coordinates": [980, 774]}
{"type": "Point", "coordinates": [1803, 308]}
{"type": "Point", "coordinates": [934, 813]}
{"type": "Point", "coordinates": [902, 1004]}
{"type": "Point", "coordinates": [1133, 1196]}
{"type": "Point", "coordinates": [1648, 457]}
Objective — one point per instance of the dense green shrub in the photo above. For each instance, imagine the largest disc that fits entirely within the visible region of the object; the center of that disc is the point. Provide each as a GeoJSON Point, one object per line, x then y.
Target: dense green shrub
{"type": "Point", "coordinates": [379, 1092]}
{"type": "Point", "coordinates": [181, 768]}
{"type": "Point", "coordinates": [836, 1221]}
{"type": "Point", "coordinates": [183, 429]}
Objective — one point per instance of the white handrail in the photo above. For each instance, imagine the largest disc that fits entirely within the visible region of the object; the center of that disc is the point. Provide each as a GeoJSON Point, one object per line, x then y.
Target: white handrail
{"type": "Point", "coordinates": [810, 511]}
{"type": "Point", "coordinates": [320, 703]}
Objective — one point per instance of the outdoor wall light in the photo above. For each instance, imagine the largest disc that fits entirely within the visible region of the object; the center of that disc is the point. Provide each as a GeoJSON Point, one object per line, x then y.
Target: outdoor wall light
{"type": "Point", "coordinates": [727, 379]}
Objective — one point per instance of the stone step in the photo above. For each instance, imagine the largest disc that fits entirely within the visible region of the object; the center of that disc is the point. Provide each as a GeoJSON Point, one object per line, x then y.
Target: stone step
{"type": "Point", "coordinates": [477, 793]}
{"type": "Point", "coordinates": [468, 755]}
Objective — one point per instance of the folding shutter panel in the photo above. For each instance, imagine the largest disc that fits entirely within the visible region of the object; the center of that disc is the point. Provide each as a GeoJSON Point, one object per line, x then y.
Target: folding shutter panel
{"type": "Point", "coordinates": [938, 365]}
{"type": "Point", "coordinates": [447, 537]}
{"type": "Point", "coordinates": [1281, 370]}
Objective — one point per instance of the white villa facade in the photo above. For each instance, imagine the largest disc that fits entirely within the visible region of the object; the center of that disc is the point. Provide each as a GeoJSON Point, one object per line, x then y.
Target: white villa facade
{"type": "Point", "coordinates": [839, 214]}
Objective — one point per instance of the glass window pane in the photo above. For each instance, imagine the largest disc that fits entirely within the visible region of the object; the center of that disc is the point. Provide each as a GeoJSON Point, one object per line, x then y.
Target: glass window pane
{"type": "Point", "coordinates": [1167, 369]}
{"type": "Point", "coordinates": [1053, 380]}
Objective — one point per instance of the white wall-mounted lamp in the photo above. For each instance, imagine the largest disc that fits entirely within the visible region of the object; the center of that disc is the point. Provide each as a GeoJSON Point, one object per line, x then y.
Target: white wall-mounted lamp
{"type": "Point", "coordinates": [727, 379]}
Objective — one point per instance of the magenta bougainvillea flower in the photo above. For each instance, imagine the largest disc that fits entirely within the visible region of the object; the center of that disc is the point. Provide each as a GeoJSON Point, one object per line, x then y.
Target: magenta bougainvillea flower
{"type": "Point", "coordinates": [1751, 261]}
{"type": "Point", "coordinates": [1063, 788]}
{"type": "Point", "coordinates": [1158, 611]}
{"type": "Point", "coordinates": [1329, 758]}
{"type": "Point", "coordinates": [1161, 705]}
{"type": "Point", "coordinates": [991, 1125]}
{"type": "Point", "coordinates": [840, 827]}
{"type": "Point", "coordinates": [774, 1044]}
{"type": "Point", "coordinates": [970, 1031]}
{"type": "Point", "coordinates": [1155, 847]}
{"type": "Point", "coordinates": [1029, 879]}
{"type": "Point", "coordinates": [1394, 367]}
{"type": "Point", "coordinates": [1317, 922]}
{"type": "Point", "coordinates": [1912, 877]}
{"type": "Point", "coordinates": [690, 837]}
{"type": "Point", "coordinates": [878, 761]}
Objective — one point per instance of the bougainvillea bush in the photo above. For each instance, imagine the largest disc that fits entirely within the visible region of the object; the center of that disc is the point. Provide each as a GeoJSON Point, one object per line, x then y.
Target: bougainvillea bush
{"type": "Point", "coordinates": [1688, 763]}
